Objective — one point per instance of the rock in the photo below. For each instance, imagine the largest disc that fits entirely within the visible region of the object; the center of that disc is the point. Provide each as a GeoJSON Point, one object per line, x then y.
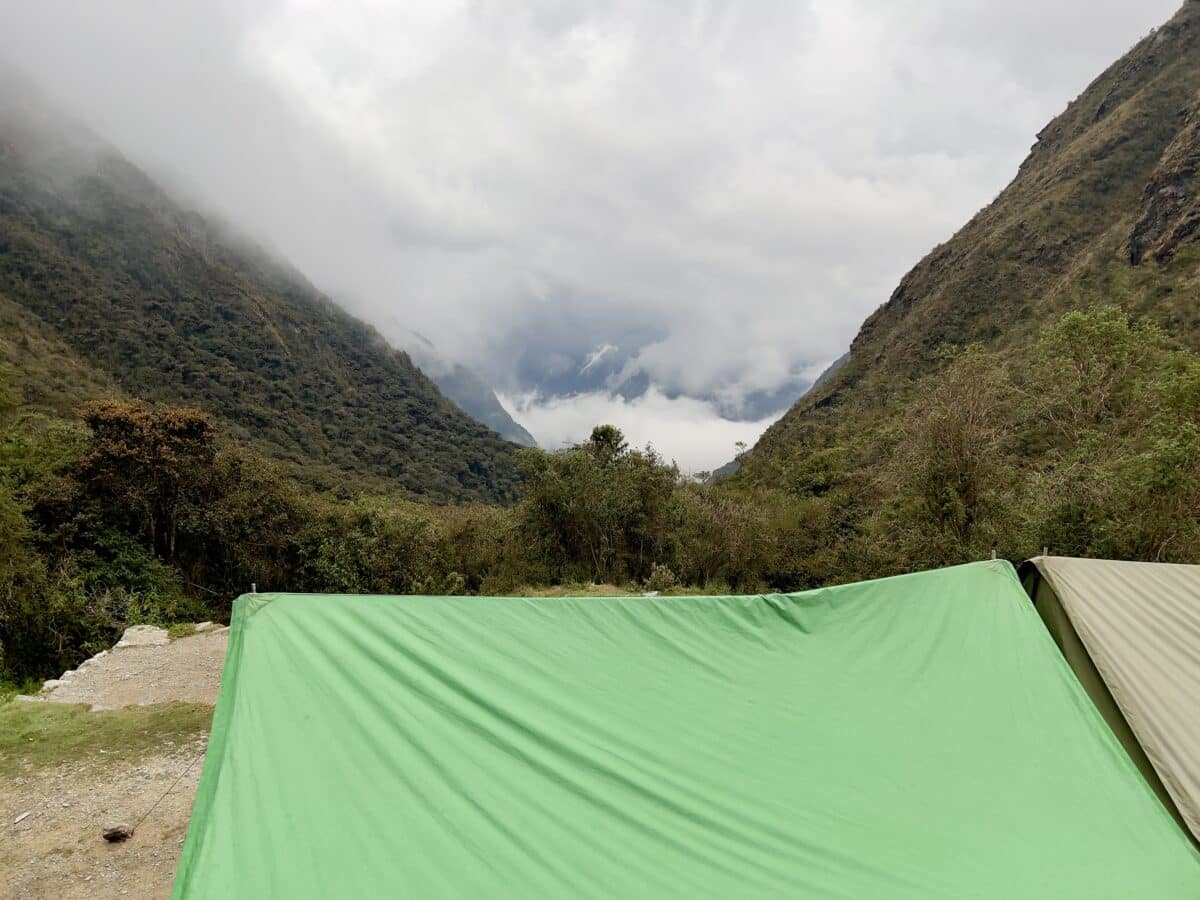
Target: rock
{"type": "Point", "coordinates": [205, 626]}
{"type": "Point", "coordinates": [100, 655]}
{"type": "Point", "coordinates": [50, 684]}
{"type": "Point", "coordinates": [67, 675]}
{"type": "Point", "coordinates": [144, 636]}
{"type": "Point", "coordinates": [118, 833]}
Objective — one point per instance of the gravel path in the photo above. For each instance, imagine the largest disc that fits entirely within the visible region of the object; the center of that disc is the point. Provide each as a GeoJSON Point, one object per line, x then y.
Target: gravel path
{"type": "Point", "coordinates": [148, 669]}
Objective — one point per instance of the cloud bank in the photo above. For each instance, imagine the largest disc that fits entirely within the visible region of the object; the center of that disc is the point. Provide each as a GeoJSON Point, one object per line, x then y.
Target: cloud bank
{"type": "Point", "coordinates": [684, 430]}
{"type": "Point", "coordinates": [719, 192]}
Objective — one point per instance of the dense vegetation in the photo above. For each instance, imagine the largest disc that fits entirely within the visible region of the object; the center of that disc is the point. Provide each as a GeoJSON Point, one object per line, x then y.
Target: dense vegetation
{"type": "Point", "coordinates": [137, 512]}
{"type": "Point", "coordinates": [160, 303]}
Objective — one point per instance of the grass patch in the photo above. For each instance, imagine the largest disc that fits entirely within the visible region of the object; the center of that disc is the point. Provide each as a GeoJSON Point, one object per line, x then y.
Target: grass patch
{"type": "Point", "coordinates": [35, 735]}
{"type": "Point", "coordinates": [180, 629]}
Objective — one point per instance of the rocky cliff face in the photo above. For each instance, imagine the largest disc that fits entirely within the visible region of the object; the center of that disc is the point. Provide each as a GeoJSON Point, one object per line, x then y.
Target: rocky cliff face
{"type": "Point", "coordinates": [1172, 198]}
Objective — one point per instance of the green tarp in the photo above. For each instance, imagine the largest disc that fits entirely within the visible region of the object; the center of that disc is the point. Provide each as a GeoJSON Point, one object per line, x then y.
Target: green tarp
{"type": "Point", "coordinates": [917, 737]}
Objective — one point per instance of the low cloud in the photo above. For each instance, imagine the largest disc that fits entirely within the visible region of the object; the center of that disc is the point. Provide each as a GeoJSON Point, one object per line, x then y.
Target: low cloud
{"type": "Point", "coordinates": [691, 432]}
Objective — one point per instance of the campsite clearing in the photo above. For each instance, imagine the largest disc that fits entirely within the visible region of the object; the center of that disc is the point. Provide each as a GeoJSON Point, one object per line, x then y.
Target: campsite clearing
{"type": "Point", "coordinates": [67, 773]}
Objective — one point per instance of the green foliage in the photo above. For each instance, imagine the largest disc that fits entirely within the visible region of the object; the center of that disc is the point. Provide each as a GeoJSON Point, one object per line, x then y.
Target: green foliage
{"type": "Point", "coordinates": [1095, 365]}
{"type": "Point", "coordinates": [661, 578]}
{"type": "Point", "coordinates": [148, 462]}
{"type": "Point", "coordinates": [950, 469]}
{"type": "Point", "coordinates": [599, 509]}
{"type": "Point", "coordinates": [719, 538]}
{"type": "Point", "coordinates": [368, 546]}
{"type": "Point", "coordinates": [22, 574]}
{"type": "Point", "coordinates": [1084, 442]}
{"type": "Point", "coordinates": [10, 399]}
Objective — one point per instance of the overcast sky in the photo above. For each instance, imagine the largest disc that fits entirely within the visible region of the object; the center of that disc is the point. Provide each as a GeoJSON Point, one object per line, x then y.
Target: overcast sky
{"type": "Point", "coordinates": [720, 192]}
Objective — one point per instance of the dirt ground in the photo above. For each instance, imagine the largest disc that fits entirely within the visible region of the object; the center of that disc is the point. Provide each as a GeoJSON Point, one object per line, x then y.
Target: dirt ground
{"type": "Point", "coordinates": [55, 850]}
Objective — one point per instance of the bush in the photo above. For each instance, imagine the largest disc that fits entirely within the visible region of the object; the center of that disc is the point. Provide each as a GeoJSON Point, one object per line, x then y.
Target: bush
{"type": "Point", "coordinates": [661, 578]}
{"type": "Point", "coordinates": [598, 511]}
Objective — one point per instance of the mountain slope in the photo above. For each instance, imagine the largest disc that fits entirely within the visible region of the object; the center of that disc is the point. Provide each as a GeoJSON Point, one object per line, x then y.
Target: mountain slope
{"type": "Point", "coordinates": [48, 375]}
{"type": "Point", "coordinates": [479, 401]}
{"type": "Point", "coordinates": [1104, 210]}
{"type": "Point", "coordinates": [461, 385]}
{"type": "Point", "coordinates": [172, 308]}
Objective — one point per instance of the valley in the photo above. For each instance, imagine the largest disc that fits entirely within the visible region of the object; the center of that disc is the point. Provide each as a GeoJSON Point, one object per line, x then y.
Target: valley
{"type": "Point", "coordinates": [185, 414]}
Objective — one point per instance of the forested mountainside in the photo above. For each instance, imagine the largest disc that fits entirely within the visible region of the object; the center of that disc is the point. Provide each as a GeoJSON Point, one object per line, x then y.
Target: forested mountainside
{"type": "Point", "coordinates": [479, 401]}
{"type": "Point", "coordinates": [151, 299]}
{"type": "Point", "coordinates": [1041, 346]}
{"type": "Point", "coordinates": [466, 389]}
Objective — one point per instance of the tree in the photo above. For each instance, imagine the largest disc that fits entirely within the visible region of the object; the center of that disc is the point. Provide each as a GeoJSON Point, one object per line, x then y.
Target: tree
{"type": "Point", "coordinates": [598, 508]}
{"type": "Point", "coordinates": [950, 461]}
{"type": "Point", "coordinates": [150, 461]}
{"type": "Point", "coordinates": [1090, 369]}
{"type": "Point", "coordinates": [606, 444]}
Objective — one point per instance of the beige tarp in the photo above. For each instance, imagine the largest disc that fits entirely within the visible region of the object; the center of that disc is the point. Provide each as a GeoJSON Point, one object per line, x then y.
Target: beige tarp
{"type": "Point", "coordinates": [1139, 624]}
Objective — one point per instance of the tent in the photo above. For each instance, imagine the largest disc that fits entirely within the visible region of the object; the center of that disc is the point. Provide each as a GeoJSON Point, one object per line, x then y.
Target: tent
{"type": "Point", "coordinates": [1131, 633]}
{"type": "Point", "coordinates": [912, 738]}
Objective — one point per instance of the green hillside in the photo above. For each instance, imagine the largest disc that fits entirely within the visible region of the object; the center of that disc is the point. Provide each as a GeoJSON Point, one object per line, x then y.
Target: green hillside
{"type": "Point", "coordinates": [151, 299]}
{"type": "Point", "coordinates": [47, 374]}
{"type": "Point", "coordinates": [1102, 213]}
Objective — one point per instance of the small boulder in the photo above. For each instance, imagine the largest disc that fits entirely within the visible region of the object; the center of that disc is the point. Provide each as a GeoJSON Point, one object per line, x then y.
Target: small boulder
{"type": "Point", "coordinates": [205, 626]}
{"type": "Point", "coordinates": [144, 636]}
{"type": "Point", "coordinates": [50, 684]}
{"type": "Point", "coordinates": [118, 833]}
